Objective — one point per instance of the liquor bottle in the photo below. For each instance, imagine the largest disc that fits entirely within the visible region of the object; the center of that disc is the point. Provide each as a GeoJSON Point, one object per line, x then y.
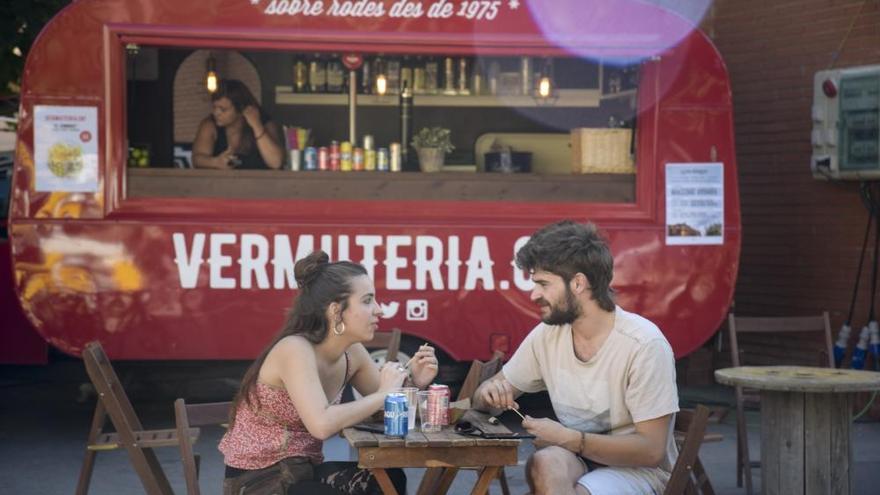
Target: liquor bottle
{"type": "Point", "coordinates": [432, 74]}
{"type": "Point", "coordinates": [317, 74]}
{"type": "Point", "coordinates": [392, 75]}
{"type": "Point", "coordinates": [366, 81]}
{"type": "Point", "coordinates": [463, 70]}
{"type": "Point", "coordinates": [300, 75]}
{"type": "Point", "coordinates": [449, 76]}
{"type": "Point", "coordinates": [406, 109]}
{"type": "Point", "coordinates": [335, 75]}
{"type": "Point", "coordinates": [418, 82]}
{"type": "Point", "coordinates": [406, 73]}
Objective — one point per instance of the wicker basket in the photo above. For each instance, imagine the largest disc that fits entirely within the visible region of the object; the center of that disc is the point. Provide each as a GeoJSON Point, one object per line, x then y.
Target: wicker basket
{"type": "Point", "coordinates": [601, 151]}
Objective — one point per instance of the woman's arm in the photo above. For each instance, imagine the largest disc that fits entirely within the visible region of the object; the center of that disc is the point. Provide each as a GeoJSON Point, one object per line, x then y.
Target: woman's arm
{"type": "Point", "coordinates": [267, 136]}
{"type": "Point", "coordinates": [299, 372]}
{"type": "Point", "coordinates": [203, 148]}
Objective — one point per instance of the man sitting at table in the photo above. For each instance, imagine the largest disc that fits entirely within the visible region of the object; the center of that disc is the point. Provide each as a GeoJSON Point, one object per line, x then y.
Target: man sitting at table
{"type": "Point", "coordinates": [610, 375]}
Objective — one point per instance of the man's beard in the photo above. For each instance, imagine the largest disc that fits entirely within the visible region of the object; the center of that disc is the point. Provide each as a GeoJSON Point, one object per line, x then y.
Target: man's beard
{"type": "Point", "coordinates": [565, 313]}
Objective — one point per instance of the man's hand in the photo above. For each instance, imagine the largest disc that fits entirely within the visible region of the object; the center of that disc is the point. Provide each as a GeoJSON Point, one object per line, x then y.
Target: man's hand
{"type": "Point", "coordinates": [547, 432]}
{"type": "Point", "coordinates": [498, 393]}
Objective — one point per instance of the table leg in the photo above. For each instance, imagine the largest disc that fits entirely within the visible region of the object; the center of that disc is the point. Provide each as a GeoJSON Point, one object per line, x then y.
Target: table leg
{"type": "Point", "coordinates": [428, 486]}
{"type": "Point", "coordinates": [805, 443]}
{"type": "Point", "coordinates": [446, 480]}
{"type": "Point", "coordinates": [486, 477]}
{"type": "Point", "coordinates": [384, 481]}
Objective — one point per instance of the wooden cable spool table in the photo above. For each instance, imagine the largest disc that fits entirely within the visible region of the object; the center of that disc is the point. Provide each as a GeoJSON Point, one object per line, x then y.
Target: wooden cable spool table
{"type": "Point", "coordinates": [806, 415]}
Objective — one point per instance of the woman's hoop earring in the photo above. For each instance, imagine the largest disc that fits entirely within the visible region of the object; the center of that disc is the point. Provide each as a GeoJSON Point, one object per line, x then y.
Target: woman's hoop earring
{"type": "Point", "coordinates": [336, 329]}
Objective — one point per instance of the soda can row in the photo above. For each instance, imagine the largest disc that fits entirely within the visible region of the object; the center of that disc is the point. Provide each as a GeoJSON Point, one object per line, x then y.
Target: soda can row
{"type": "Point", "coordinates": [343, 158]}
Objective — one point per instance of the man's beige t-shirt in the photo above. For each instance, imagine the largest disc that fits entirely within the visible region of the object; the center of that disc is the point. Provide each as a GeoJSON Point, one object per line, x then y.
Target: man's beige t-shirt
{"type": "Point", "coordinates": [631, 379]}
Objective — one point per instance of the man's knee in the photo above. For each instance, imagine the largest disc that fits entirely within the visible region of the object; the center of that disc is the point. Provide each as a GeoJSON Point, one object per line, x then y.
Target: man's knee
{"type": "Point", "coordinates": [549, 460]}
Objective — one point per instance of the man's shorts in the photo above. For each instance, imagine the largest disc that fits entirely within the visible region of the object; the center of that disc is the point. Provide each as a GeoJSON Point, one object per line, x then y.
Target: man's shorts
{"type": "Point", "coordinates": [603, 480]}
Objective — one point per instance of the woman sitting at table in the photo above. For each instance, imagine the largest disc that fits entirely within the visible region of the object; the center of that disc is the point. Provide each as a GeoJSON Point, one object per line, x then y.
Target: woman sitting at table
{"type": "Point", "coordinates": [289, 400]}
{"type": "Point", "coordinates": [237, 134]}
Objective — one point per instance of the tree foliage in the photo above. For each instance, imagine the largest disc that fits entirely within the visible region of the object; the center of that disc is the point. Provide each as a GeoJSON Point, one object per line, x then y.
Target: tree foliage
{"type": "Point", "coordinates": [20, 23]}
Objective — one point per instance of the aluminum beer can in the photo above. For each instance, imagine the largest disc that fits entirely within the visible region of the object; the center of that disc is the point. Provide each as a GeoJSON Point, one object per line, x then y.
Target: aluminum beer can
{"type": "Point", "coordinates": [382, 162]}
{"type": "Point", "coordinates": [370, 160]}
{"type": "Point", "coordinates": [334, 155]}
{"type": "Point", "coordinates": [396, 415]}
{"type": "Point", "coordinates": [323, 158]}
{"type": "Point", "coordinates": [394, 157]}
{"type": "Point", "coordinates": [345, 156]}
{"type": "Point", "coordinates": [438, 404]}
{"type": "Point", "coordinates": [310, 159]}
{"type": "Point", "coordinates": [357, 159]}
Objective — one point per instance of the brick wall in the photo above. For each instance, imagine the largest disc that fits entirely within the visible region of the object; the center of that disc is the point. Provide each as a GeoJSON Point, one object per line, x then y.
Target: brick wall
{"type": "Point", "coordinates": [801, 236]}
{"type": "Point", "coordinates": [192, 102]}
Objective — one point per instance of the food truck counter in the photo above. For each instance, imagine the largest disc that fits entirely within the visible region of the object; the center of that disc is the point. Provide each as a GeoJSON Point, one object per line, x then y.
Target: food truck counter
{"type": "Point", "coordinates": [452, 186]}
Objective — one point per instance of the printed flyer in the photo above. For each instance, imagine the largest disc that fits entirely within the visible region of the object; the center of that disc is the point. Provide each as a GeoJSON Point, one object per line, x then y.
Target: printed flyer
{"type": "Point", "coordinates": [694, 203]}
{"type": "Point", "coordinates": [66, 148]}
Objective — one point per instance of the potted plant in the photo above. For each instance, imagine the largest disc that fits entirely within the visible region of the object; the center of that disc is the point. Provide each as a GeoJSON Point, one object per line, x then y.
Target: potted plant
{"type": "Point", "coordinates": [432, 144]}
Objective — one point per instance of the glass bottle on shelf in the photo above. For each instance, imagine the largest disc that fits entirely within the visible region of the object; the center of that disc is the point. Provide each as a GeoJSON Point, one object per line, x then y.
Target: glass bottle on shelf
{"type": "Point", "coordinates": [300, 75]}
{"type": "Point", "coordinates": [366, 80]}
{"type": "Point", "coordinates": [317, 74]}
{"type": "Point", "coordinates": [494, 71]}
{"type": "Point", "coordinates": [432, 75]}
{"type": "Point", "coordinates": [418, 84]}
{"type": "Point", "coordinates": [392, 75]}
{"type": "Point", "coordinates": [449, 76]}
{"type": "Point", "coordinates": [406, 73]}
{"type": "Point", "coordinates": [335, 75]}
{"type": "Point", "coordinates": [463, 72]}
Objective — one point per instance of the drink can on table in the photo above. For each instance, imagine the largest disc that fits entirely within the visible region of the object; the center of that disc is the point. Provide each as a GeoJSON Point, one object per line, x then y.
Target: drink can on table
{"type": "Point", "coordinates": [396, 415]}
{"type": "Point", "coordinates": [394, 157]}
{"type": "Point", "coordinates": [334, 155]}
{"type": "Point", "coordinates": [357, 159]}
{"type": "Point", "coordinates": [382, 163]}
{"type": "Point", "coordinates": [438, 404]}
{"type": "Point", "coordinates": [323, 158]}
{"type": "Point", "coordinates": [310, 159]}
{"type": "Point", "coordinates": [369, 159]}
{"type": "Point", "coordinates": [345, 156]}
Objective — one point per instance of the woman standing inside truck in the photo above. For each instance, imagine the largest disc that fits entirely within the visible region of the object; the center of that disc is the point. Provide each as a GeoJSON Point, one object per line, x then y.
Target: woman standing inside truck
{"type": "Point", "coordinates": [289, 400]}
{"type": "Point", "coordinates": [237, 134]}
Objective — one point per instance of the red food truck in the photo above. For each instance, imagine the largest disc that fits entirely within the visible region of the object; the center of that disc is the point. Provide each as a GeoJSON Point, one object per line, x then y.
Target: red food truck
{"type": "Point", "coordinates": [615, 112]}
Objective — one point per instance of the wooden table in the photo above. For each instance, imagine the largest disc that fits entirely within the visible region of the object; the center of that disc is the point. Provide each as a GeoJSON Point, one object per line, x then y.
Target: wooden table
{"type": "Point", "coordinates": [806, 415]}
{"type": "Point", "coordinates": [443, 454]}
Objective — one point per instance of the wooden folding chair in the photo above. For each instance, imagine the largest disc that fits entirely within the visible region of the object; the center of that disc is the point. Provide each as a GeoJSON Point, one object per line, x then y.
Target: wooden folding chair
{"type": "Point", "coordinates": [130, 435]}
{"type": "Point", "coordinates": [438, 480]}
{"type": "Point", "coordinates": [187, 416]}
{"type": "Point", "coordinates": [688, 475]}
{"type": "Point", "coordinates": [773, 344]}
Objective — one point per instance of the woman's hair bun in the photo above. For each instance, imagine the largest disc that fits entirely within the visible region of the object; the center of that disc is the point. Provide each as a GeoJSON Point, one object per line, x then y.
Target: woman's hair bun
{"type": "Point", "coordinates": [309, 268]}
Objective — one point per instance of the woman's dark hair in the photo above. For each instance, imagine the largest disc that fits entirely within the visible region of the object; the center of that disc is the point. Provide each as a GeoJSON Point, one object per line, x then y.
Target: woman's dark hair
{"type": "Point", "coordinates": [567, 248]}
{"type": "Point", "coordinates": [241, 97]}
{"type": "Point", "coordinates": [320, 284]}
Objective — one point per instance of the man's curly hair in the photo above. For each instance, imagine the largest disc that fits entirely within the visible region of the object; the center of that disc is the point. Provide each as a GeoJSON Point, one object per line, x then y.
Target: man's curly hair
{"type": "Point", "coordinates": [566, 248]}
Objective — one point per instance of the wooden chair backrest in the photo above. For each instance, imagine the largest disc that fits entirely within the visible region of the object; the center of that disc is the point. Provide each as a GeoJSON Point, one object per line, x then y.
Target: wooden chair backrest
{"type": "Point", "coordinates": [478, 373]}
{"type": "Point", "coordinates": [122, 415]}
{"type": "Point", "coordinates": [781, 325]}
{"type": "Point", "coordinates": [190, 415]}
{"type": "Point", "coordinates": [389, 340]}
{"type": "Point", "coordinates": [694, 424]}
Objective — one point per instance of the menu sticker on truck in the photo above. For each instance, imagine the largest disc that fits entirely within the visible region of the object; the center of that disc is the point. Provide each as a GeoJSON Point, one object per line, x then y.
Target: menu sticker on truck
{"type": "Point", "coordinates": [694, 203]}
{"type": "Point", "coordinates": [66, 148]}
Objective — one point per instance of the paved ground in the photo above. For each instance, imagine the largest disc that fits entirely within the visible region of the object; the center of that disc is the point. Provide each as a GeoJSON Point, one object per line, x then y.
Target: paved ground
{"type": "Point", "coordinates": [45, 418]}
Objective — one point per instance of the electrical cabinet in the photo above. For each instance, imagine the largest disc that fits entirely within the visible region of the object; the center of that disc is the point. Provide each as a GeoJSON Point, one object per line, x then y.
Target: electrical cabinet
{"type": "Point", "coordinates": [846, 124]}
